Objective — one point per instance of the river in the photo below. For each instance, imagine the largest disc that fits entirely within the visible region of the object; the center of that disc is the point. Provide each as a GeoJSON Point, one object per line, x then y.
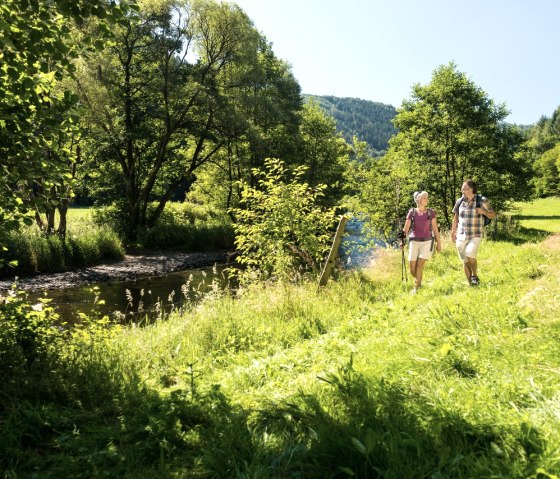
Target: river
{"type": "Point", "coordinates": [135, 300]}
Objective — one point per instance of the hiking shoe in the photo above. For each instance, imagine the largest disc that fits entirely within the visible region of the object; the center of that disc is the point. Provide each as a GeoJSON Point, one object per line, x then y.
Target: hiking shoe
{"type": "Point", "coordinates": [474, 280]}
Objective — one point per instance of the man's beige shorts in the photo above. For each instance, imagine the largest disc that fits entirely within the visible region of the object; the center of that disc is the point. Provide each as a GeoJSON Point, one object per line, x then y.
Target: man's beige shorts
{"type": "Point", "coordinates": [468, 248]}
{"type": "Point", "coordinates": [420, 250]}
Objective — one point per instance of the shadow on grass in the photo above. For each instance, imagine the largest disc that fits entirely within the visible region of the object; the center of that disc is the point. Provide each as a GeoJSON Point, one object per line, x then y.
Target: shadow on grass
{"type": "Point", "coordinates": [521, 236]}
{"type": "Point", "coordinates": [386, 431]}
{"type": "Point", "coordinates": [536, 217]}
{"type": "Point", "coordinates": [110, 426]}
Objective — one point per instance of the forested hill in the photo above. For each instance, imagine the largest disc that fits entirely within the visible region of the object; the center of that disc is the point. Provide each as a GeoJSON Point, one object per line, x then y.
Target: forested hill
{"type": "Point", "coordinates": [367, 120]}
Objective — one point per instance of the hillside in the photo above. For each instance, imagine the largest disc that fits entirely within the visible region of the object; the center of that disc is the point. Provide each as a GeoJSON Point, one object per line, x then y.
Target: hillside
{"type": "Point", "coordinates": [369, 121]}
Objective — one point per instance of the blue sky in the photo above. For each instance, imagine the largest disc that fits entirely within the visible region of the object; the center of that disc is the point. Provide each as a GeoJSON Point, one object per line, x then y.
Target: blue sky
{"type": "Point", "coordinates": [378, 49]}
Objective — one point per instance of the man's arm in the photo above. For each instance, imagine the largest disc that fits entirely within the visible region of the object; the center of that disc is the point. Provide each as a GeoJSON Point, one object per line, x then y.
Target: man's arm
{"type": "Point", "coordinates": [487, 210]}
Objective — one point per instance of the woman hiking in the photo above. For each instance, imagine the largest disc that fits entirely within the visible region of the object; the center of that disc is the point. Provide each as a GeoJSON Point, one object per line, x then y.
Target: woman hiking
{"type": "Point", "coordinates": [422, 230]}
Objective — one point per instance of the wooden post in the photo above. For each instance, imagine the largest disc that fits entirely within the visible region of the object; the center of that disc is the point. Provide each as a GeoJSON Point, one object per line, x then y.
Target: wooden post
{"type": "Point", "coordinates": [334, 252]}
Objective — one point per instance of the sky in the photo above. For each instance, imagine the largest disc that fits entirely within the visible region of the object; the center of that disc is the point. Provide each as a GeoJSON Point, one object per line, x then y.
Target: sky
{"type": "Point", "coordinates": [378, 49]}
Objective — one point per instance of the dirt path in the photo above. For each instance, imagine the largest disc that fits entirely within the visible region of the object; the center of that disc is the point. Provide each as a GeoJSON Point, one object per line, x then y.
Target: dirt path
{"type": "Point", "coordinates": [132, 266]}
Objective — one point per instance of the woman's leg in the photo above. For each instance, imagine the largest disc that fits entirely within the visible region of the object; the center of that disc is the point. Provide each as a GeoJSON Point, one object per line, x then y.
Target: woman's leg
{"type": "Point", "coordinates": [412, 266]}
{"type": "Point", "coordinates": [419, 272]}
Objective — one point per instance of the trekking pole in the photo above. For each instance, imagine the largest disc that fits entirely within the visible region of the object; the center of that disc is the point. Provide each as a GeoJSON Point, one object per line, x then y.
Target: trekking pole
{"type": "Point", "coordinates": [403, 263]}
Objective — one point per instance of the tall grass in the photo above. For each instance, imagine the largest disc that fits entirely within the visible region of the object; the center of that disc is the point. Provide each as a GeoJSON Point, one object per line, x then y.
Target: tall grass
{"type": "Point", "coordinates": [85, 245]}
{"type": "Point", "coordinates": [181, 225]}
{"type": "Point", "coordinates": [358, 379]}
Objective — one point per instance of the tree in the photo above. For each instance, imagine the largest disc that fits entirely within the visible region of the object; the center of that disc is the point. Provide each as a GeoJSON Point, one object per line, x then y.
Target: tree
{"type": "Point", "coordinates": [269, 103]}
{"type": "Point", "coordinates": [450, 130]}
{"type": "Point", "coordinates": [543, 151]}
{"type": "Point", "coordinates": [323, 152]}
{"type": "Point", "coordinates": [37, 52]}
{"type": "Point", "coordinates": [169, 97]}
{"type": "Point", "coordinates": [547, 172]}
{"type": "Point", "coordinates": [380, 190]}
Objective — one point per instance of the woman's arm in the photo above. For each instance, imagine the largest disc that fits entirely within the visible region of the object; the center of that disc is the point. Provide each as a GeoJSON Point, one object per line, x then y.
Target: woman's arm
{"type": "Point", "coordinates": [406, 227]}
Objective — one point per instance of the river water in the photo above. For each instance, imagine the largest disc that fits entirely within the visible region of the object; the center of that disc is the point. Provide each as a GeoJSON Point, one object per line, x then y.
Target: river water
{"type": "Point", "coordinates": [149, 297]}
{"type": "Point", "coordinates": [136, 300]}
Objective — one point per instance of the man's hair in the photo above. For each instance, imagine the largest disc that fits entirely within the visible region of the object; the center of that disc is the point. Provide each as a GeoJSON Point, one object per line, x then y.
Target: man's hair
{"type": "Point", "coordinates": [471, 184]}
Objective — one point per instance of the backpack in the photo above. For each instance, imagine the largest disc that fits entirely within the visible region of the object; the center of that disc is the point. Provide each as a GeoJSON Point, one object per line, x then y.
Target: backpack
{"type": "Point", "coordinates": [487, 220]}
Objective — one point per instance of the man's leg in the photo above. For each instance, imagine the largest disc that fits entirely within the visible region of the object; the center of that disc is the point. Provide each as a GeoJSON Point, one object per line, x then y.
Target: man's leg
{"type": "Point", "coordinates": [472, 265]}
{"type": "Point", "coordinates": [471, 252]}
{"type": "Point", "coordinates": [468, 271]}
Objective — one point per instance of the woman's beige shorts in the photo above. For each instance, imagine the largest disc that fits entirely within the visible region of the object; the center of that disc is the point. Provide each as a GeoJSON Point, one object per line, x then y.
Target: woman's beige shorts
{"type": "Point", "coordinates": [467, 248]}
{"type": "Point", "coordinates": [420, 249]}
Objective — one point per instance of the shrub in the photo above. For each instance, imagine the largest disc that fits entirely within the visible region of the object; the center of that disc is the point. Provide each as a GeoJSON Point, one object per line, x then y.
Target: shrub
{"type": "Point", "coordinates": [280, 230]}
{"type": "Point", "coordinates": [29, 335]}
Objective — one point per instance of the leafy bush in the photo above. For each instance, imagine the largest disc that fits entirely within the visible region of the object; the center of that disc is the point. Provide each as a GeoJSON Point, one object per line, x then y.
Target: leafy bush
{"type": "Point", "coordinates": [197, 237]}
{"type": "Point", "coordinates": [280, 230]}
{"type": "Point", "coordinates": [181, 213]}
{"type": "Point", "coordinates": [29, 335]}
{"type": "Point", "coordinates": [114, 216]}
{"type": "Point", "coordinates": [184, 225]}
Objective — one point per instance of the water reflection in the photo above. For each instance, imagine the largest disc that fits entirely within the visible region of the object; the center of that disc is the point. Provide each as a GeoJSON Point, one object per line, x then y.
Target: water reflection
{"type": "Point", "coordinates": [140, 299]}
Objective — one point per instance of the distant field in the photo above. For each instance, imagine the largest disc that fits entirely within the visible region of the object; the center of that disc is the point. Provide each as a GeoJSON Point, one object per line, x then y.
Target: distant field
{"type": "Point", "coordinates": [80, 214]}
{"type": "Point", "coordinates": [542, 214]}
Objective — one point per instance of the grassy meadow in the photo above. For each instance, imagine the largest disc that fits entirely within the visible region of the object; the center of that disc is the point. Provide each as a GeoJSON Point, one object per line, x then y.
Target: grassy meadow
{"type": "Point", "coordinates": [359, 379]}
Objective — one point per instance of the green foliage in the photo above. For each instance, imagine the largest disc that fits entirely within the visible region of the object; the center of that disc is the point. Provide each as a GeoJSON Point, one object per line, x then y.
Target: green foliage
{"type": "Point", "coordinates": [381, 190]}
{"type": "Point", "coordinates": [324, 153]}
{"type": "Point", "coordinates": [547, 172]}
{"type": "Point", "coordinates": [114, 216]}
{"type": "Point", "coordinates": [183, 225]}
{"type": "Point", "coordinates": [359, 379]}
{"type": "Point", "coordinates": [30, 336]}
{"type": "Point", "coordinates": [37, 52]}
{"type": "Point", "coordinates": [449, 131]}
{"type": "Point", "coordinates": [280, 230]}
{"type": "Point", "coordinates": [544, 151]}
{"type": "Point", "coordinates": [185, 84]}
{"type": "Point", "coordinates": [368, 121]}
{"type": "Point", "coordinates": [315, 145]}
{"type": "Point", "coordinates": [187, 213]}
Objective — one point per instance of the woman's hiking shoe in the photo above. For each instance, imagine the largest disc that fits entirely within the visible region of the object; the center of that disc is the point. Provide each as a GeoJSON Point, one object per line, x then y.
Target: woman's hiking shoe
{"type": "Point", "coordinates": [474, 280]}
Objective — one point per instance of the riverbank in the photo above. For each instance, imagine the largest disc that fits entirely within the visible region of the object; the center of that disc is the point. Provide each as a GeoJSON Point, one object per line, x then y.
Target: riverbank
{"type": "Point", "coordinates": [134, 265]}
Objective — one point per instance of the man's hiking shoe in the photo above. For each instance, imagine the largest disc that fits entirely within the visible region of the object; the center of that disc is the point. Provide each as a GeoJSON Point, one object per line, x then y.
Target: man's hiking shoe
{"type": "Point", "coordinates": [474, 280]}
